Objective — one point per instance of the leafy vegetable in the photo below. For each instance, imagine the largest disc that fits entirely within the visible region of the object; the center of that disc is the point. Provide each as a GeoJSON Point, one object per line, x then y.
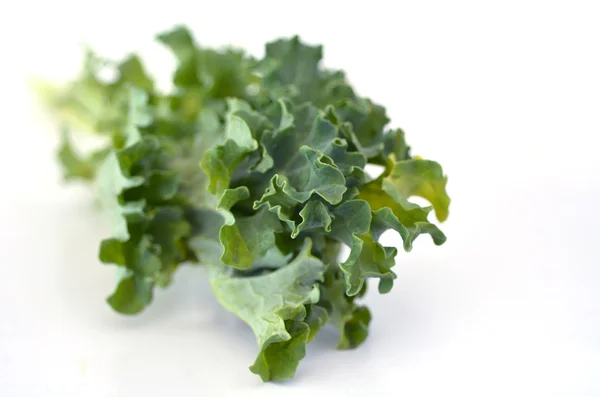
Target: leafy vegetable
{"type": "Point", "coordinates": [255, 169]}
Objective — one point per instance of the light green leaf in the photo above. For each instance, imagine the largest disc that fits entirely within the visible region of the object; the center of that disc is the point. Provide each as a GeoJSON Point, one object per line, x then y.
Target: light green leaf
{"type": "Point", "coordinates": [423, 178]}
{"type": "Point", "coordinates": [132, 71]}
{"type": "Point", "coordinates": [407, 218]}
{"type": "Point", "coordinates": [274, 307]}
{"type": "Point", "coordinates": [76, 166]}
{"type": "Point", "coordinates": [112, 181]}
{"type": "Point", "coordinates": [385, 218]}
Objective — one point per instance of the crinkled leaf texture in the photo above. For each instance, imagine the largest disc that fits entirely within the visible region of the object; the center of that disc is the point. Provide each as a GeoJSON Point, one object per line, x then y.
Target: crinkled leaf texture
{"type": "Point", "coordinates": [149, 228]}
{"type": "Point", "coordinates": [254, 168]}
{"type": "Point", "coordinates": [274, 306]}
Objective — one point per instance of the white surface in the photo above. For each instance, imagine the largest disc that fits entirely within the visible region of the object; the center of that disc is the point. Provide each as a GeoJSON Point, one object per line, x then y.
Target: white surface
{"type": "Point", "coordinates": [506, 97]}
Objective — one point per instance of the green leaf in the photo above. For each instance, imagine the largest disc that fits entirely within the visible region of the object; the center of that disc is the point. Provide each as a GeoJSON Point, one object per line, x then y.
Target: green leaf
{"type": "Point", "coordinates": [220, 161]}
{"type": "Point", "coordinates": [138, 255]}
{"type": "Point", "coordinates": [209, 73]}
{"type": "Point", "coordinates": [395, 143]}
{"type": "Point", "coordinates": [300, 156]}
{"type": "Point", "coordinates": [89, 104]}
{"type": "Point", "coordinates": [151, 254]}
{"type": "Point", "coordinates": [407, 218]}
{"type": "Point", "coordinates": [235, 167]}
{"type": "Point", "coordinates": [294, 64]}
{"type": "Point", "coordinates": [279, 202]}
{"type": "Point", "coordinates": [132, 295]}
{"type": "Point", "coordinates": [132, 71]}
{"type": "Point", "coordinates": [127, 171]}
{"type": "Point", "coordinates": [85, 103]}
{"type": "Point", "coordinates": [351, 320]}
{"type": "Point", "coordinates": [367, 258]}
{"type": "Point", "coordinates": [168, 229]}
{"type": "Point", "coordinates": [245, 238]}
{"type": "Point", "coordinates": [112, 181]}
{"type": "Point", "coordinates": [301, 148]}
{"type": "Point", "coordinates": [273, 305]}
{"type": "Point", "coordinates": [423, 178]}
{"type": "Point", "coordinates": [316, 318]}
{"type": "Point", "coordinates": [179, 40]}
{"type": "Point", "coordinates": [366, 121]}
{"type": "Point", "coordinates": [351, 219]}
{"type": "Point", "coordinates": [314, 216]}
{"type": "Point", "coordinates": [76, 166]}
{"type": "Point", "coordinates": [249, 239]}
{"type": "Point", "coordinates": [258, 123]}
{"type": "Point", "coordinates": [315, 173]}
{"type": "Point", "coordinates": [386, 218]}
{"type": "Point", "coordinates": [138, 195]}
{"type": "Point", "coordinates": [181, 43]}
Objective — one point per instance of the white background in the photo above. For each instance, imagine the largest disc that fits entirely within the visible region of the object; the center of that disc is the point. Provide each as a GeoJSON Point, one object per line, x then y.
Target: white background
{"type": "Point", "coordinates": [505, 95]}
